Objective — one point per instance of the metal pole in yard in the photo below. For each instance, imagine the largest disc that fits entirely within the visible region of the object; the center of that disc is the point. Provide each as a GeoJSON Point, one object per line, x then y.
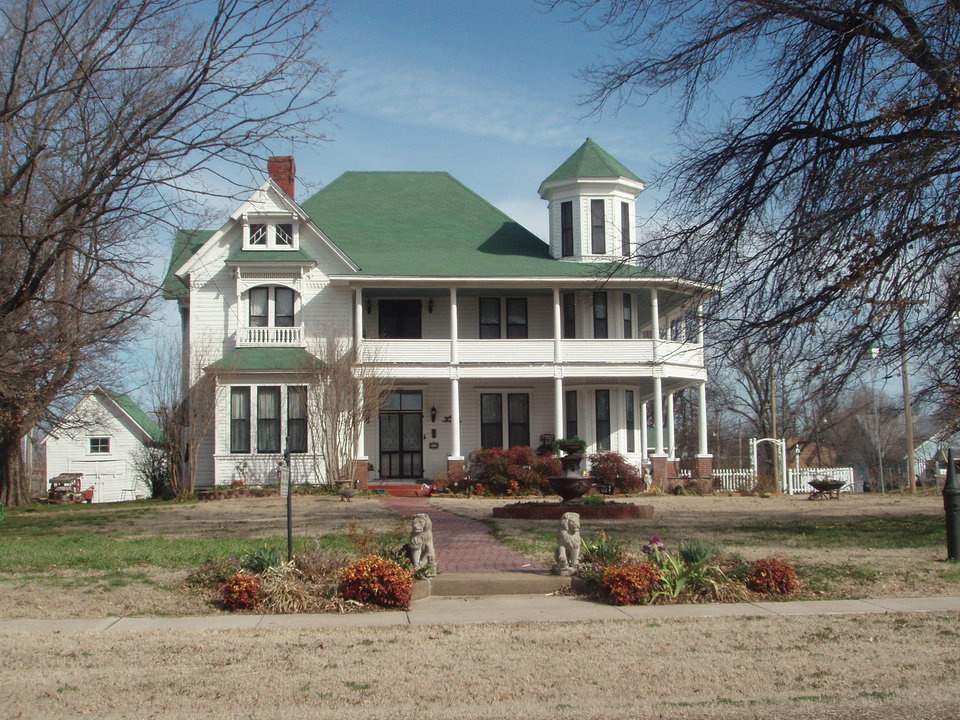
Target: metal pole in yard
{"type": "Point", "coordinates": [286, 459]}
{"type": "Point", "coordinates": [951, 507]}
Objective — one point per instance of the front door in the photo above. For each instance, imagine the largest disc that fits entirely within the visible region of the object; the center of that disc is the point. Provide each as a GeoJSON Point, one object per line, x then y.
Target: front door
{"type": "Point", "coordinates": [401, 436]}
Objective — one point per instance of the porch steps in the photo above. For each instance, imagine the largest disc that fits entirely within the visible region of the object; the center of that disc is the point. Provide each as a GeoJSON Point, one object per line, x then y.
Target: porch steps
{"type": "Point", "coordinates": [397, 490]}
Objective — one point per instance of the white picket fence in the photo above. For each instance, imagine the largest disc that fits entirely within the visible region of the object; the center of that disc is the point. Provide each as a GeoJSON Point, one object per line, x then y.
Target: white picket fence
{"type": "Point", "coordinates": [796, 481]}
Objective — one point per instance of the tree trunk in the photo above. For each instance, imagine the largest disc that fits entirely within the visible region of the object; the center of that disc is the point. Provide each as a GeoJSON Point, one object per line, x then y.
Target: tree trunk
{"type": "Point", "coordinates": [14, 484]}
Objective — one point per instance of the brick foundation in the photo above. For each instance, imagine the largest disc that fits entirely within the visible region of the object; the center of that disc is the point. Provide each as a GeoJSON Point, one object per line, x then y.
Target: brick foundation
{"type": "Point", "coordinates": [659, 470]}
{"type": "Point", "coordinates": [703, 466]}
{"type": "Point", "coordinates": [455, 469]}
{"type": "Point", "coordinates": [361, 473]}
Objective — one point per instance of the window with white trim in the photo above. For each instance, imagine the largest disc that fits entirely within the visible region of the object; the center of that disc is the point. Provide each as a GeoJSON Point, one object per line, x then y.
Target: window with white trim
{"type": "Point", "coordinates": [495, 425]}
{"type": "Point", "coordinates": [260, 234]}
{"type": "Point", "coordinates": [99, 446]}
{"type": "Point", "coordinates": [277, 414]}
{"type": "Point", "coordinates": [271, 306]}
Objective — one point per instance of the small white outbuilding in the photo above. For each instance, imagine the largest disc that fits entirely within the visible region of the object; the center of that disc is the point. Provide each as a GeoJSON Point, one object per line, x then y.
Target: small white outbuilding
{"type": "Point", "coordinates": [100, 438]}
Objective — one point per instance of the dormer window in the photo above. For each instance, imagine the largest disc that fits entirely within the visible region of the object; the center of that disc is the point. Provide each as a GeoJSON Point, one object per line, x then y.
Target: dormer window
{"type": "Point", "coordinates": [258, 234]}
{"type": "Point", "coordinates": [284, 234]}
{"type": "Point", "coordinates": [263, 235]}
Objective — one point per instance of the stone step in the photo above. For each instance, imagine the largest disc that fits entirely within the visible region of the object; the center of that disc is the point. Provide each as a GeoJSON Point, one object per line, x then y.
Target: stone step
{"type": "Point", "coordinates": [397, 490]}
{"type": "Point", "coordinates": [496, 583]}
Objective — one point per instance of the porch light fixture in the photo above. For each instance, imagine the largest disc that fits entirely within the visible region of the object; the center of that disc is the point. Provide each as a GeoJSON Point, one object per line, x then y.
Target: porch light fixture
{"type": "Point", "coordinates": [433, 414]}
{"type": "Point", "coordinates": [430, 306]}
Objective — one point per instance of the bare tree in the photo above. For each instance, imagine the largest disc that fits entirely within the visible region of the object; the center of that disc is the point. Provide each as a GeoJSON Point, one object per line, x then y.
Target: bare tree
{"type": "Point", "coordinates": [113, 115]}
{"type": "Point", "coordinates": [342, 396]}
{"type": "Point", "coordinates": [828, 195]}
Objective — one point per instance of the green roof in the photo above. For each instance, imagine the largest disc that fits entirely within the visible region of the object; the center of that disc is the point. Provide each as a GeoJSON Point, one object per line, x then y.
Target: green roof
{"type": "Point", "coordinates": [428, 224]}
{"type": "Point", "coordinates": [185, 244]}
{"type": "Point", "coordinates": [591, 161]}
{"type": "Point", "coordinates": [146, 423]}
{"type": "Point", "coordinates": [271, 256]}
{"type": "Point", "coordinates": [265, 359]}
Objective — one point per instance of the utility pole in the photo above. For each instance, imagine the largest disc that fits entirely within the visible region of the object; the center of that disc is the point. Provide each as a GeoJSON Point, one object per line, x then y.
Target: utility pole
{"type": "Point", "coordinates": [773, 412]}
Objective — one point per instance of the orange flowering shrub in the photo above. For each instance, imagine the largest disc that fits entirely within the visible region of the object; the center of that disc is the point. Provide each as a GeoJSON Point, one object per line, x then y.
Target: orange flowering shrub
{"type": "Point", "coordinates": [240, 592]}
{"type": "Point", "coordinates": [629, 584]}
{"type": "Point", "coordinates": [373, 579]}
{"type": "Point", "coordinates": [772, 576]}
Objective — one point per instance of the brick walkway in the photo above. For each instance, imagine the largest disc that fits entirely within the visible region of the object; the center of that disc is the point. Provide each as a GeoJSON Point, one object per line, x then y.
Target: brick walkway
{"type": "Point", "coordinates": [463, 545]}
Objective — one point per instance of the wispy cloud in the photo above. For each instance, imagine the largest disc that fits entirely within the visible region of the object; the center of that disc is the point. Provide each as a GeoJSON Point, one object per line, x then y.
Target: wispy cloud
{"type": "Point", "coordinates": [450, 99]}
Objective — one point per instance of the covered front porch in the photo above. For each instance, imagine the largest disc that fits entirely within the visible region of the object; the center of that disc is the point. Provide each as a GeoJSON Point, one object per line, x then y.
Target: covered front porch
{"type": "Point", "coordinates": [429, 427]}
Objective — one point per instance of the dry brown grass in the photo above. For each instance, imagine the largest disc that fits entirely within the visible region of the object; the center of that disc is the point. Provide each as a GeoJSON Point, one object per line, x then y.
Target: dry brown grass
{"type": "Point", "coordinates": [872, 666]}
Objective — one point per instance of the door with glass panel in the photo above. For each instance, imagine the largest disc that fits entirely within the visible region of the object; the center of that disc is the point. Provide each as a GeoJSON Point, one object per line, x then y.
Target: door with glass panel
{"type": "Point", "coordinates": [401, 436]}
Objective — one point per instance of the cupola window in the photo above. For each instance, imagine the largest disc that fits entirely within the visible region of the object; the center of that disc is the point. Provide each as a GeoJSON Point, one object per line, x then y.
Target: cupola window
{"type": "Point", "coordinates": [597, 228]}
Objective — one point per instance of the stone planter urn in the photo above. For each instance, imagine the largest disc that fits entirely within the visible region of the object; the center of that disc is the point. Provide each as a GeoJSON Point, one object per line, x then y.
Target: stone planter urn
{"type": "Point", "coordinates": [345, 489]}
{"type": "Point", "coordinates": [570, 488]}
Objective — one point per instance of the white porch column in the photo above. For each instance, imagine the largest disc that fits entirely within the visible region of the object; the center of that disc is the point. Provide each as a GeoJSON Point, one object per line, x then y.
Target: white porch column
{"type": "Point", "coordinates": [702, 418]}
{"type": "Point", "coordinates": [671, 442]}
{"type": "Point", "coordinates": [454, 328]}
{"type": "Point", "coordinates": [558, 409]}
{"type": "Point", "coordinates": [655, 318]}
{"type": "Point", "coordinates": [658, 416]}
{"type": "Point", "coordinates": [700, 323]}
{"type": "Point", "coordinates": [358, 316]}
{"type": "Point", "coordinates": [361, 444]}
{"type": "Point", "coordinates": [644, 421]}
{"type": "Point", "coordinates": [455, 453]}
{"type": "Point", "coordinates": [557, 345]}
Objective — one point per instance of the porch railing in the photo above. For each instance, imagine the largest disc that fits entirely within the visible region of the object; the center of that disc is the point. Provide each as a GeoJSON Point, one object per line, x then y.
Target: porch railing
{"type": "Point", "coordinates": [270, 337]}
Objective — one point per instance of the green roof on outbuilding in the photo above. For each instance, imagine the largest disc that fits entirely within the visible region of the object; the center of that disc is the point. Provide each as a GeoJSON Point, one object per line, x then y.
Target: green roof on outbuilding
{"type": "Point", "coordinates": [591, 161]}
{"type": "Point", "coordinates": [428, 224]}
{"type": "Point", "coordinates": [146, 423]}
{"type": "Point", "coordinates": [266, 359]}
{"type": "Point", "coordinates": [185, 244]}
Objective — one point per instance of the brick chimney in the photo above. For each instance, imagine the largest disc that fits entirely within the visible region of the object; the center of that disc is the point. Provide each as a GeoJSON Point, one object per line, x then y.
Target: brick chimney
{"type": "Point", "coordinates": [283, 170]}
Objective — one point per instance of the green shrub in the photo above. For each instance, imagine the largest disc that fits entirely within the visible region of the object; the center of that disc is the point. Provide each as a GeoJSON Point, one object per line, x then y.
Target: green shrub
{"type": "Point", "coordinates": [240, 592]}
{"type": "Point", "coordinates": [261, 559]}
{"type": "Point", "coordinates": [602, 550]}
{"type": "Point", "coordinates": [696, 552]}
{"type": "Point", "coordinates": [375, 580]}
{"type": "Point", "coordinates": [772, 576]}
{"type": "Point", "coordinates": [629, 584]}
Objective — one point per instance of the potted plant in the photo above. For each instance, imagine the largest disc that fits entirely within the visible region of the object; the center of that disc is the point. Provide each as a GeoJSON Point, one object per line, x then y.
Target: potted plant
{"type": "Point", "coordinates": [570, 446]}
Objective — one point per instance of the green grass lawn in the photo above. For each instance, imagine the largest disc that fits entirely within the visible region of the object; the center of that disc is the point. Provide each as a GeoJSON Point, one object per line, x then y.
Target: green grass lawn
{"type": "Point", "coordinates": [911, 531]}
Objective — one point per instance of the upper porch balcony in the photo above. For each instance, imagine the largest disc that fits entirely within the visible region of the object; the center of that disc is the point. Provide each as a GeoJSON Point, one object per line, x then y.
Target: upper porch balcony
{"type": "Point", "coordinates": [535, 357]}
{"type": "Point", "coordinates": [271, 337]}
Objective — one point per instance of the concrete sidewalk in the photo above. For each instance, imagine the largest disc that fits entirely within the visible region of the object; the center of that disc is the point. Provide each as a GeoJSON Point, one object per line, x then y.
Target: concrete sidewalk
{"type": "Point", "coordinates": [486, 609]}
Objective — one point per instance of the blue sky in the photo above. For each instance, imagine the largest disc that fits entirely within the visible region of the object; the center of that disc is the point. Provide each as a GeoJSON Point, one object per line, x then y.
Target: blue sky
{"type": "Point", "coordinates": [485, 90]}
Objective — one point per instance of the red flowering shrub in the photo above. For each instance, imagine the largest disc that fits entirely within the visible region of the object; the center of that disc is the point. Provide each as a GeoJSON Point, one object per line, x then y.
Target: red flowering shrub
{"type": "Point", "coordinates": [629, 584]}
{"type": "Point", "coordinates": [516, 471]}
{"type": "Point", "coordinates": [240, 592]}
{"type": "Point", "coordinates": [373, 579]}
{"type": "Point", "coordinates": [772, 576]}
{"type": "Point", "coordinates": [613, 470]}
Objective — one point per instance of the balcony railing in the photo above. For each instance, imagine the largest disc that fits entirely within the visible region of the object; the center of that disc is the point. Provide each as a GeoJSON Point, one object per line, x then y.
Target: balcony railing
{"type": "Point", "coordinates": [270, 337]}
{"type": "Point", "coordinates": [494, 352]}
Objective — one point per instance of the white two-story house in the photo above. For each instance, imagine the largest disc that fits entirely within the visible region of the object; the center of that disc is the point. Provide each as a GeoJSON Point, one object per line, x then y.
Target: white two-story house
{"type": "Point", "coordinates": [493, 338]}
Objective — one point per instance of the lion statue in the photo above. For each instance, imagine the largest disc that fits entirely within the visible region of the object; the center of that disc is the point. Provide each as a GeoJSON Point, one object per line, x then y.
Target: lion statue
{"type": "Point", "coordinates": [420, 544]}
{"type": "Point", "coordinates": [568, 550]}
